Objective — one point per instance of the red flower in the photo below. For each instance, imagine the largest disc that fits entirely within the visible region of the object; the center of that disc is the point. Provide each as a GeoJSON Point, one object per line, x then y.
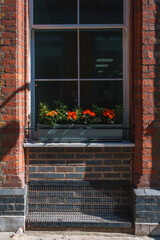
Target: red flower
{"type": "Point", "coordinates": [88, 111]}
{"type": "Point", "coordinates": [109, 113]}
{"type": "Point", "coordinates": [72, 115]}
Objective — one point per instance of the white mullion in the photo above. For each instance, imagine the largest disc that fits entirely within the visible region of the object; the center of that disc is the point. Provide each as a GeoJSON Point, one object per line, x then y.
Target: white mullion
{"type": "Point", "coordinates": [78, 58]}
{"type": "Point", "coordinates": [77, 26]}
{"type": "Point", "coordinates": [81, 79]}
{"type": "Point", "coordinates": [78, 12]}
{"type": "Point", "coordinates": [33, 78]}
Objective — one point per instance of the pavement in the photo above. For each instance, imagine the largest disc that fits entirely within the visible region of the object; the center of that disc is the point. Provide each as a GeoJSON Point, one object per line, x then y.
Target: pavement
{"type": "Point", "coordinates": [70, 235]}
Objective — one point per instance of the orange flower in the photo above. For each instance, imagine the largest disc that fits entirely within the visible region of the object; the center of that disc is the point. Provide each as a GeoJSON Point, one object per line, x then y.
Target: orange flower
{"type": "Point", "coordinates": [52, 113]}
{"type": "Point", "coordinates": [87, 111]}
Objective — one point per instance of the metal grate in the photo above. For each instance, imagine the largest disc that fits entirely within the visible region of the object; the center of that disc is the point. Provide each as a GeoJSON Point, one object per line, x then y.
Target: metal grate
{"type": "Point", "coordinates": [78, 202]}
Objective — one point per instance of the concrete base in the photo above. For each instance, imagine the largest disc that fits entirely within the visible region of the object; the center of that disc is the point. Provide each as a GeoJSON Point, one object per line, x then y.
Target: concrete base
{"type": "Point", "coordinates": [11, 223]}
{"type": "Point", "coordinates": [147, 229]}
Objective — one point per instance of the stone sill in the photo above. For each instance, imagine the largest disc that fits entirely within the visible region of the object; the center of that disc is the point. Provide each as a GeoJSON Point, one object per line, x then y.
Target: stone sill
{"type": "Point", "coordinates": [147, 192]}
{"type": "Point", "coordinates": [31, 143]}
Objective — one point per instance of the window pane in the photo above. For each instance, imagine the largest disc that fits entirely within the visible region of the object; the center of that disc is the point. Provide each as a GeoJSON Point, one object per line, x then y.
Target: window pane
{"type": "Point", "coordinates": [55, 11]}
{"type": "Point", "coordinates": [48, 92]}
{"type": "Point", "coordinates": [101, 93]}
{"type": "Point", "coordinates": [55, 54]}
{"type": "Point", "coordinates": [101, 11]}
{"type": "Point", "coordinates": [101, 54]}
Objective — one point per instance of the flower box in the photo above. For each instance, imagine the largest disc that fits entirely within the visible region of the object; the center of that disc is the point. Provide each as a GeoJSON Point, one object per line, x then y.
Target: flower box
{"type": "Point", "coordinates": [79, 132]}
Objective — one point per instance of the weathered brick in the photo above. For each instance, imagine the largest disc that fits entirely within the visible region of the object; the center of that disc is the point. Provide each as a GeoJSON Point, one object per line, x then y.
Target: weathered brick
{"type": "Point", "coordinates": [47, 156]}
{"type": "Point", "coordinates": [37, 175]}
{"type": "Point", "coordinates": [121, 168]}
{"type": "Point", "coordinates": [55, 175]}
{"type": "Point", "coordinates": [65, 156]}
{"type": "Point", "coordinates": [83, 169]}
{"type": "Point", "coordinates": [103, 169]}
{"type": "Point", "coordinates": [103, 155]}
{"type": "Point", "coordinates": [46, 169]}
{"type": "Point", "coordinates": [147, 214]}
{"type": "Point", "coordinates": [64, 169]}
{"type": "Point", "coordinates": [112, 162]}
{"type": "Point", "coordinates": [112, 175]}
{"type": "Point", "coordinates": [84, 156]}
{"type": "Point", "coordinates": [93, 175]}
{"type": "Point", "coordinates": [121, 155]}
{"type": "Point", "coordinates": [94, 162]}
{"type": "Point", "coordinates": [74, 175]}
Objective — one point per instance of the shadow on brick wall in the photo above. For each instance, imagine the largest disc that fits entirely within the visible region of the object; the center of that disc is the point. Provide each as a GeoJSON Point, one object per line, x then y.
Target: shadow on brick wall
{"type": "Point", "coordinates": [10, 131]}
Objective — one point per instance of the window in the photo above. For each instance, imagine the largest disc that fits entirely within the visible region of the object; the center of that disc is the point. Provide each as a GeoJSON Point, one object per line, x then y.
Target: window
{"type": "Point", "coordinates": [79, 53]}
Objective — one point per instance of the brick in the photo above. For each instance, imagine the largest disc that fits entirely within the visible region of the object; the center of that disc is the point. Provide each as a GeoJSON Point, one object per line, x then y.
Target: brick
{"type": "Point", "coordinates": [140, 207]}
{"type": "Point", "coordinates": [113, 149]}
{"type": "Point", "coordinates": [55, 149]}
{"type": "Point", "coordinates": [65, 169]}
{"type": "Point", "coordinates": [111, 175]}
{"type": "Point", "coordinates": [10, 207]}
{"type": "Point", "coordinates": [150, 201]}
{"type": "Point", "coordinates": [56, 162]}
{"type": "Point", "coordinates": [84, 156]}
{"type": "Point", "coordinates": [55, 176]}
{"type": "Point", "coordinates": [83, 169]}
{"type": "Point", "coordinates": [1, 15]}
{"type": "Point", "coordinates": [103, 169]}
{"type": "Point", "coordinates": [32, 169]}
{"type": "Point", "coordinates": [3, 207]}
{"type": "Point", "coordinates": [8, 200]}
{"type": "Point", "coordinates": [33, 156]}
{"type": "Point", "coordinates": [98, 149]}
{"type": "Point", "coordinates": [19, 200]}
{"type": "Point", "coordinates": [75, 162]}
{"type": "Point", "coordinates": [47, 156]}
{"type": "Point", "coordinates": [46, 169]}
{"type": "Point", "coordinates": [37, 175]}
{"type": "Point", "coordinates": [19, 207]}
{"type": "Point", "coordinates": [112, 162]}
{"type": "Point", "coordinates": [146, 214]}
{"type": "Point", "coordinates": [121, 155]}
{"type": "Point", "coordinates": [75, 149]}
{"type": "Point", "coordinates": [103, 155]}
{"type": "Point", "coordinates": [93, 175]}
{"type": "Point", "coordinates": [121, 168]}
{"type": "Point", "coordinates": [1, 41]}
{"type": "Point", "coordinates": [65, 156]}
{"type": "Point", "coordinates": [74, 175]}
{"type": "Point", "coordinates": [94, 162]}
{"type": "Point", "coordinates": [37, 149]}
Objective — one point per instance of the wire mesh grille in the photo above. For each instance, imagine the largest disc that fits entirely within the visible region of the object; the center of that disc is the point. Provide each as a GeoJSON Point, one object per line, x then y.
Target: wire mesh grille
{"type": "Point", "coordinates": [87, 202]}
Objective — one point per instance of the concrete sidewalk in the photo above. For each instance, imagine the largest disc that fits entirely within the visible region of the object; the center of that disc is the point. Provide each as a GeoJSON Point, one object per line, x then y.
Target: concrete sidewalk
{"type": "Point", "coordinates": [69, 235]}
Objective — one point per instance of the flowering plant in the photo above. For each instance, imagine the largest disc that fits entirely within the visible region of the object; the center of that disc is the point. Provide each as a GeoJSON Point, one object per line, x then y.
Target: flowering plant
{"type": "Point", "coordinates": [63, 115]}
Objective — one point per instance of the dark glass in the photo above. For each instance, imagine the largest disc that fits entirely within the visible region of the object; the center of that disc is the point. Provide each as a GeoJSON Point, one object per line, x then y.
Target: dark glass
{"type": "Point", "coordinates": [48, 92]}
{"type": "Point", "coordinates": [101, 54]}
{"type": "Point", "coordinates": [55, 54]}
{"type": "Point", "coordinates": [55, 11]}
{"type": "Point", "coordinates": [101, 93]}
{"type": "Point", "coordinates": [101, 11]}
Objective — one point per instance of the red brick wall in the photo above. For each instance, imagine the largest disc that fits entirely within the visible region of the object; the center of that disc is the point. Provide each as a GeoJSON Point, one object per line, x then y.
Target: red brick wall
{"type": "Point", "coordinates": [13, 90]}
{"type": "Point", "coordinates": [147, 109]}
{"type": "Point", "coordinates": [14, 49]}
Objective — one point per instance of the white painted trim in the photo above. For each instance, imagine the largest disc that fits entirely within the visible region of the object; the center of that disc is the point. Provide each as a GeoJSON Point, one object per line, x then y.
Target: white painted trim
{"type": "Point", "coordinates": [90, 145]}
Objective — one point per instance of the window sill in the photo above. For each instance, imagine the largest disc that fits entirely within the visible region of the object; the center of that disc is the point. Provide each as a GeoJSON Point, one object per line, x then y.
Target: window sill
{"type": "Point", "coordinates": [32, 143]}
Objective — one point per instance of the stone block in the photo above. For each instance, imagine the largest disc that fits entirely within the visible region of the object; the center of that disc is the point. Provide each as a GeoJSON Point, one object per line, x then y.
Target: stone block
{"type": "Point", "coordinates": [11, 223]}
